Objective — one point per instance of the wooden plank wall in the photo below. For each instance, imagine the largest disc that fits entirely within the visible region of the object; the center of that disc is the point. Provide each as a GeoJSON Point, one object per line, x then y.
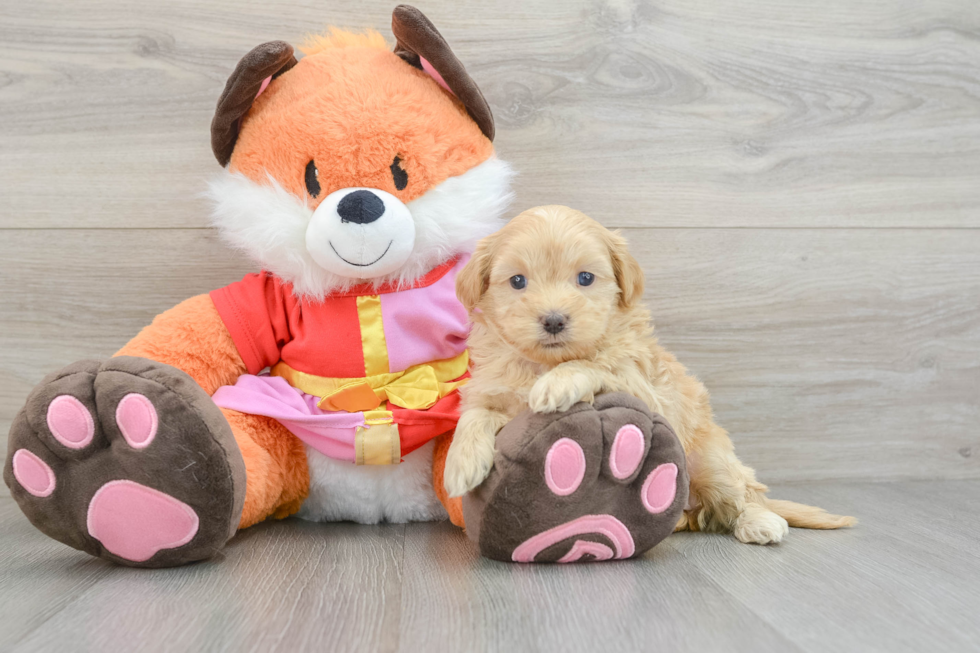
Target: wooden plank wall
{"type": "Point", "coordinates": [800, 180]}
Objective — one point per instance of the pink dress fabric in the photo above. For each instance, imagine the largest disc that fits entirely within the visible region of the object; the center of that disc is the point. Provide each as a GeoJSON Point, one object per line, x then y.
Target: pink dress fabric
{"type": "Point", "coordinates": [329, 432]}
{"type": "Point", "coordinates": [421, 325]}
{"type": "Point", "coordinates": [425, 324]}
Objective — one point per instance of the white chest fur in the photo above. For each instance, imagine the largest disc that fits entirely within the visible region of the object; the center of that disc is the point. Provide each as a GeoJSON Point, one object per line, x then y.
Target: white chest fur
{"type": "Point", "coordinates": [370, 494]}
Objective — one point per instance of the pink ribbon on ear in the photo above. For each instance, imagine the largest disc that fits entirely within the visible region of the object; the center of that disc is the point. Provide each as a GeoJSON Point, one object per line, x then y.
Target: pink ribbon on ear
{"type": "Point", "coordinates": [265, 84]}
{"type": "Point", "coordinates": [432, 72]}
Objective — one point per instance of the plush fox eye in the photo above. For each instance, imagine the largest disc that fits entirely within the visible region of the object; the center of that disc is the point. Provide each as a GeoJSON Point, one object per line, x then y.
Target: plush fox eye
{"type": "Point", "coordinates": [312, 179]}
{"type": "Point", "coordinates": [518, 282]}
{"type": "Point", "coordinates": [585, 278]}
{"type": "Point", "coordinates": [398, 174]}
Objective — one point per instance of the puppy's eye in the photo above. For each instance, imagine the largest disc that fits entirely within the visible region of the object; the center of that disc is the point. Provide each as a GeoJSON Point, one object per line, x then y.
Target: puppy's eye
{"type": "Point", "coordinates": [585, 278]}
{"type": "Point", "coordinates": [398, 174]}
{"type": "Point", "coordinates": [518, 282]}
{"type": "Point", "coordinates": [312, 179]}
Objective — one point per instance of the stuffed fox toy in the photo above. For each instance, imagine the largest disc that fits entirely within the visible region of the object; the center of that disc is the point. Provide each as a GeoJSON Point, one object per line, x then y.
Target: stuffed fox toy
{"type": "Point", "coordinates": [359, 179]}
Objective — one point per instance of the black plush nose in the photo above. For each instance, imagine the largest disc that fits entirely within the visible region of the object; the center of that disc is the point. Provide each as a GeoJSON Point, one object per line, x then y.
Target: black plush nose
{"type": "Point", "coordinates": [554, 322]}
{"type": "Point", "coordinates": [361, 206]}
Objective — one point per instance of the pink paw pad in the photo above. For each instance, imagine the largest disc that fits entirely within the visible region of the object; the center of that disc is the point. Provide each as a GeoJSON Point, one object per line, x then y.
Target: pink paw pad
{"type": "Point", "coordinates": [70, 422]}
{"type": "Point", "coordinates": [660, 488]}
{"type": "Point", "coordinates": [627, 451]}
{"type": "Point", "coordinates": [606, 526]}
{"type": "Point", "coordinates": [582, 548]}
{"type": "Point", "coordinates": [564, 467]}
{"type": "Point", "coordinates": [133, 521]}
{"type": "Point", "coordinates": [137, 420]}
{"type": "Point", "coordinates": [33, 474]}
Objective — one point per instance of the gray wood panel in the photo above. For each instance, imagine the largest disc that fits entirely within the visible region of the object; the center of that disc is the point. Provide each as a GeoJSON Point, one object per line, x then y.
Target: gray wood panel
{"type": "Point", "coordinates": [474, 604]}
{"type": "Point", "coordinates": [940, 520]}
{"type": "Point", "coordinates": [38, 576]}
{"type": "Point", "coordinates": [677, 114]}
{"type": "Point", "coordinates": [278, 586]}
{"type": "Point", "coordinates": [829, 354]}
{"type": "Point", "coordinates": [899, 581]}
{"type": "Point", "coordinates": [905, 579]}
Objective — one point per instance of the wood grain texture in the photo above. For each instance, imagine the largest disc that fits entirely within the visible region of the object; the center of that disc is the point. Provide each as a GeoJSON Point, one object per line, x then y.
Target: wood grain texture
{"type": "Point", "coordinates": [896, 582]}
{"type": "Point", "coordinates": [38, 576]}
{"type": "Point", "coordinates": [905, 579]}
{"type": "Point", "coordinates": [789, 114]}
{"type": "Point", "coordinates": [944, 514]}
{"type": "Point", "coordinates": [278, 586]}
{"type": "Point", "coordinates": [475, 604]}
{"type": "Point", "coordinates": [829, 354]}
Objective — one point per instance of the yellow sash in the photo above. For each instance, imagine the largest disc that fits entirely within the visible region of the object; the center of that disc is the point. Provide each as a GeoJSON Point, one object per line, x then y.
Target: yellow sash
{"type": "Point", "coordinates": [419, 387]}
{"type": "Point", "coordinates": [378, 441]}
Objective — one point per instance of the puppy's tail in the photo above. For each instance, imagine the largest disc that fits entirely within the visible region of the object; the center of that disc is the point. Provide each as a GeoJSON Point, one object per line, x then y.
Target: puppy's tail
{"type": "Point", "coordinates": [802, 516]}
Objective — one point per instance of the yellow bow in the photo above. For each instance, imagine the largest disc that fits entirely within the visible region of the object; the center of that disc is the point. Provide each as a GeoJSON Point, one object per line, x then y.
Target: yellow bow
{"type": "Point", "coordinates": [417, 388]}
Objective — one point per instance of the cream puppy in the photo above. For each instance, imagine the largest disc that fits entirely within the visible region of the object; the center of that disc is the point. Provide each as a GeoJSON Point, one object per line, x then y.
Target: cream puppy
{"type": "Point", "coordinates": [555, 302]}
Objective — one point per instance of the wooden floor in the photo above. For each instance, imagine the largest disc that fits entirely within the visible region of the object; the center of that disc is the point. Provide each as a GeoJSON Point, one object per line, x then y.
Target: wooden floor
{"type": "Point", "coordinates": [800, 181]}
{"type": "Point", "coordinates": [908, 579]}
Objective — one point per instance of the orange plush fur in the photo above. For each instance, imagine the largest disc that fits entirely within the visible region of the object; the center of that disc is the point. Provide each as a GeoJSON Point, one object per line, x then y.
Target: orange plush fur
{"type": "Point", "coordinates": [277, 478]}
{"type": "Point", "coordinates": [368, 104]}
{"type": "Point", "coordinates": [453, 505]}
{"type": "Point", "coordinates": [607, 345]}
{"type": "Point", "coordinates": [192, 337]}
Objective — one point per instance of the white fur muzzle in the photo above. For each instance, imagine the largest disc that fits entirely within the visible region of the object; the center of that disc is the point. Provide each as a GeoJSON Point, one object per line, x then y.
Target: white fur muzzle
{"type": "Point", "coordinates": [369, 237]}
{"type": "Point", "coordinates": [284, 235]}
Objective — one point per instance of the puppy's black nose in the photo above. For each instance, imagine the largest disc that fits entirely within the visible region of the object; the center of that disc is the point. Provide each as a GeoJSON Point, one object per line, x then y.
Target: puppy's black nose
{"type": "Point", "coordinates": [361, 206]}
{"type": "Point", "coordinates": [554, 322]}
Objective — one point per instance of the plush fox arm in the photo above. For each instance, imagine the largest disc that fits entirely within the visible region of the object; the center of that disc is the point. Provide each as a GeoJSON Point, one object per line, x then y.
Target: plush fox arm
{"type": "Point", "coordinates": [191, 337]}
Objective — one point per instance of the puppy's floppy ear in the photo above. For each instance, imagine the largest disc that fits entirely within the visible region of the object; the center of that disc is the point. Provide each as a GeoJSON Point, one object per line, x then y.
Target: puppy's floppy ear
{"type": "Point", "coordinates": [474, 279]}
{"type": "Point", "coordinates": [629, 274]}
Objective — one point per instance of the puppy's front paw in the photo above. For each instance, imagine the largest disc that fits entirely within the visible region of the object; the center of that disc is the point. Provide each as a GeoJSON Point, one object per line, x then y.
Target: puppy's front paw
{"type": "Point", "coordinates": [555, 392]}
{"type": "Point", "coordinates": [758, 525]}
{"type": "Point", "coordinates": [468, 463]}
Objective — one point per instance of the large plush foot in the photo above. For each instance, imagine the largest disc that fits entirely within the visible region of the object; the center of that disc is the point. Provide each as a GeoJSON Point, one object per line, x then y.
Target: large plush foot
{"type": "Point", "coordinates": [128, 460]}
{"type": "Point", "coordinates": [592, 483]}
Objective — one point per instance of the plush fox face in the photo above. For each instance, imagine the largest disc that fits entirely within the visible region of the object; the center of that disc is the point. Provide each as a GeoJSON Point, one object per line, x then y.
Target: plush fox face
{"type": "Point", "coordinates": [356, 163]}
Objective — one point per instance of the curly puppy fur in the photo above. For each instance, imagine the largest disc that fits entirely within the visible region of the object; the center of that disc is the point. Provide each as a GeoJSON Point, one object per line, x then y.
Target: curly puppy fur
{"type": "Point", "coordinates": [605, 345]}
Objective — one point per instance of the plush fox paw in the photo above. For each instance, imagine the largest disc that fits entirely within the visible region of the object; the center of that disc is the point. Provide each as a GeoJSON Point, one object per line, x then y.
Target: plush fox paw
{"type": "Point", "coordinates": [128, 460]}
{"type": "Point", "coordinates": [596, 482]}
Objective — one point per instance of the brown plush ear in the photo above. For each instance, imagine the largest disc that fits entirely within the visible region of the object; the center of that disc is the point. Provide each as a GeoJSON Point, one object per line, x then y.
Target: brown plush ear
{"type": "Point", "coordinates": [629, 274]}
{"type": "Point", "coordinates": [268, 60]}
{"type": "Point", "coordinates": [419, 39]}
{"type": "Point", "coordinates": [474, 279]}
